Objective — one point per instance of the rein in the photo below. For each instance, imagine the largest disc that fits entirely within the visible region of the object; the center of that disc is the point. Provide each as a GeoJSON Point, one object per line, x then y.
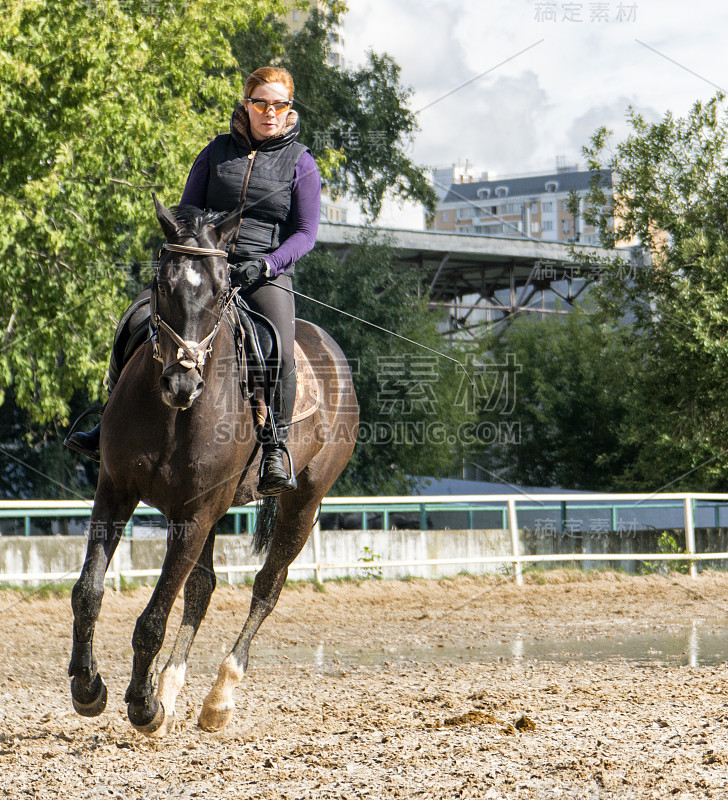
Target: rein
{"type": "Point", "coordinates": [189, 353]}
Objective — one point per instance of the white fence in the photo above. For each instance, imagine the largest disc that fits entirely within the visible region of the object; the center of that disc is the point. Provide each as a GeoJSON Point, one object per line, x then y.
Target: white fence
{"type": "Point", "coordinates": [313, 562]}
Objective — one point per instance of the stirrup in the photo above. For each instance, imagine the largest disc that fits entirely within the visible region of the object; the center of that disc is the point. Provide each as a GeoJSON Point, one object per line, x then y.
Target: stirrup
{"type": "Point", "coordinates": [269, 484]}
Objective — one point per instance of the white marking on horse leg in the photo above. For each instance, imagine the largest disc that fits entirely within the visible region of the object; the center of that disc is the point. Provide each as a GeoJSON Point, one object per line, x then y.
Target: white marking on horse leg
{"type": "Point", "coordinates": [218, 706]}
{"type": "Point", "coordinates": [192, 276]}
{"type": "Point", "coordinates": [171, 681]}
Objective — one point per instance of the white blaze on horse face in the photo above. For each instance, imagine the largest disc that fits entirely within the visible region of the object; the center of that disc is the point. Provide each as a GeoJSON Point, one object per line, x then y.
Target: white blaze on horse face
{"type": "Point", "coordinates": [192, 276]}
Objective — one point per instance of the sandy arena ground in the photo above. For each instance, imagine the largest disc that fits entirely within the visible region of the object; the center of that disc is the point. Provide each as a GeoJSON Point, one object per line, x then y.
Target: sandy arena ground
{"type": "Point", "coordinates": [331, 708]}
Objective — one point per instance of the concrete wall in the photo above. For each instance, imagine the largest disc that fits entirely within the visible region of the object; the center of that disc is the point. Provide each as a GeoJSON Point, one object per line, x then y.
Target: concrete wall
{"type": "Point", "coordinates": [63, 555]}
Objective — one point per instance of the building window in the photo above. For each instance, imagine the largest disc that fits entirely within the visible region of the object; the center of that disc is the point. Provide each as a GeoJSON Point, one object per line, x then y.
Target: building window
{"type": "Point", "coordinates": [552, 186]}
{"type": "Point", "coordinates": [489, 230]}
{"type": "Point", "coordinates": [501, 191]}
{"type": "Point", "coordinates": [547, 206]}
{"type": "Point", "coordinates": [446, 216]}
{"type": "Point", "coordinates": [296, 16]}
{"type": "Point", "coordinates": [548, 225]}
{"type": "Point", "coordinates": [535, 227]}
{"type": "Point", "coordinates": [565, 225]}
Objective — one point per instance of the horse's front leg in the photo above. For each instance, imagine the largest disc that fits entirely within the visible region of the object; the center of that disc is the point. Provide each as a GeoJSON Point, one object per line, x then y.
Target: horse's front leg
{"type": "Point", "coordinates": [110, 515]}
{"type": "Point", "coordinates": [185, 541]}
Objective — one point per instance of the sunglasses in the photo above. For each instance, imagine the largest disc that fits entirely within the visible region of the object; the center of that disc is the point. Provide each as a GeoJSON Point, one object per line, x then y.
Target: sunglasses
{"type": "Point", "coordinates": [262, 106]}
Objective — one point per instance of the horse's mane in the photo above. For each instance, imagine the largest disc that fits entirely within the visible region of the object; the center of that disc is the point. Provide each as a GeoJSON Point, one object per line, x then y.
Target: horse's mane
{"type": "Point", "coordinates": [196, 219]}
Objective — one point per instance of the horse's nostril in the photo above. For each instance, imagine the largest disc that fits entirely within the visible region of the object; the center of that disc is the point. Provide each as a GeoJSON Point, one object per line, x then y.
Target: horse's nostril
{"type": "Point", "coordinates": [198, 390]}
{"type": "Point", "coordinates": [166, 383]}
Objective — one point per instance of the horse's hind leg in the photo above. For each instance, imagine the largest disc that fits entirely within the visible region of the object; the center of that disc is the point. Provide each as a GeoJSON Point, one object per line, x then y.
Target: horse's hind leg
{"type": "Point", "coordinates": [198, 590]}
{"type": "Point", "coordinates": [110, 515]}
{"type": "Point", "coordinates": [291, 532]}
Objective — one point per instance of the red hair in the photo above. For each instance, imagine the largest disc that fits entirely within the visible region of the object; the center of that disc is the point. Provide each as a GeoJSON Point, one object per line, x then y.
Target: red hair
{"type": "Point", "coordinates": [268, 75]}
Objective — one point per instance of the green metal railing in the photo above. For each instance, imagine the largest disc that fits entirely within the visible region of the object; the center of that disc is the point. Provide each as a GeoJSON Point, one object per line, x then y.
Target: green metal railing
{"type": "Point", "coordinates": [244, 517]}
{"type": "Point", "coordinates": [507, 506]}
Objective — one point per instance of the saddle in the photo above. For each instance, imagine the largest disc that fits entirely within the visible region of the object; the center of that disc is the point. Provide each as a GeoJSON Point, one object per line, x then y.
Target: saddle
{"type": "Point", "coordinates": [258, 347]}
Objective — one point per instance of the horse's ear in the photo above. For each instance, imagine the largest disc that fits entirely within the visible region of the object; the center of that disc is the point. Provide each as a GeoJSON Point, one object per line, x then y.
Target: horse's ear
{"type": "Point", "coordinates": [171, 227]}
{"type": "Point", "coordinates": [226, 228]}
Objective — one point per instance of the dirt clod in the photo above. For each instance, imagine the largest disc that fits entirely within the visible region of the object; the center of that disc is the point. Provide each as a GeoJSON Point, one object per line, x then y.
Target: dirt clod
{"type": "Point", "coordinates": [523, 723]}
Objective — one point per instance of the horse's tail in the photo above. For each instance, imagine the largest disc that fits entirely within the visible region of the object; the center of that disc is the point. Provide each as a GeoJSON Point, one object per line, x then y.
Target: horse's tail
{"type": "Point", "coordinates": [266, 522]}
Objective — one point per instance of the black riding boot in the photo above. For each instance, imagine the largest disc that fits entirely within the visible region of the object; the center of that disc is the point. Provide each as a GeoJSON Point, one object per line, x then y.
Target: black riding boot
{"type": "Point", "coordinates": [86, 443]}
{"type": "Point", "coordinates": [274, 477]}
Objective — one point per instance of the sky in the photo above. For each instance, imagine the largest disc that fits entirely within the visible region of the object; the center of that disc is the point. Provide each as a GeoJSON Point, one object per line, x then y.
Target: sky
{"type": "Point", "coordinates": [510, 85]}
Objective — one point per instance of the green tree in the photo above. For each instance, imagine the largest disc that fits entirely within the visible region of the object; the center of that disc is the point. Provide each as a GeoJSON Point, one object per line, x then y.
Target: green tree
{"type": "Point", "coordinates": [411, 422]}
{"type": "Point", "coordinates": [104, 102]}
{"type": "Point", "coordinates": [572, 377]}
{"type": "Point", "coordinates": [672, 197]}
{"type": "Point", "coordinates": [34, 462]}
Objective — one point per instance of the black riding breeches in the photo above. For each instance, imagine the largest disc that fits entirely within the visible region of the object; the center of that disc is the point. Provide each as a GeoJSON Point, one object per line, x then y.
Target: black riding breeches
{"type": "Point", "coordinates": [273, 301]}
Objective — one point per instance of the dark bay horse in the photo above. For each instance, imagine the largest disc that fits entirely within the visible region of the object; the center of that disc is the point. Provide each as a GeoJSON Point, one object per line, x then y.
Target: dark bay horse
{"type": "Point", "coordinates": [188, 446]}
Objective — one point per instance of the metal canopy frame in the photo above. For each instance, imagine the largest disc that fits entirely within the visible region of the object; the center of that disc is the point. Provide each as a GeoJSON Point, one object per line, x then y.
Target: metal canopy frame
{"type": "Point", "coordinates": [482, 281]}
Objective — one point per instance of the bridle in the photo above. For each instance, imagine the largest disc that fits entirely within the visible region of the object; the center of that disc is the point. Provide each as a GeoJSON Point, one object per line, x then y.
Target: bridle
{"type": "Point", "coordinates": [189, 353]}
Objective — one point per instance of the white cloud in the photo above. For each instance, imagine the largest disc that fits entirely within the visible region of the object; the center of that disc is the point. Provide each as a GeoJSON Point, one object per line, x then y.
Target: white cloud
{"type": "Point", "coordinates": [573, 77]}
{"type": "Point", "coordinates": [613, 116]}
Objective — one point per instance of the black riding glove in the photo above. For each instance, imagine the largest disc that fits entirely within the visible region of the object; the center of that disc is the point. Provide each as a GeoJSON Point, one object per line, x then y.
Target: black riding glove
{"type": "Point", "coordinates": [247, 273]}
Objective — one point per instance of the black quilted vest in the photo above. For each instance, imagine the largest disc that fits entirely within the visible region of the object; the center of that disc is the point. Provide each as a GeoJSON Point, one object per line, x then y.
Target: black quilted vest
{"type": "Point", "coordinates": [268, 200]}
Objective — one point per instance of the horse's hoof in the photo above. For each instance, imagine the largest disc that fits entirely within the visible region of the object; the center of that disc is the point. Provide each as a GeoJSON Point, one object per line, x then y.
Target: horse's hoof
{"type": "Point", "coordinates": [95, 706]}
{"type": "Point", "coordinates": [165, 728]}
{"type": "Point", "coordinates": [154, 724]}
{"type": "Point", "coordinates": [212, 720]}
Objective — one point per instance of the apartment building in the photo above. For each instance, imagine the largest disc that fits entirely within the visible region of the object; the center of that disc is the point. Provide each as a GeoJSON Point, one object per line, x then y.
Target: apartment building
{"type": "Point", "coordinates": [296, 18]}
{"type": "Point", "coordinates": [538, 206]}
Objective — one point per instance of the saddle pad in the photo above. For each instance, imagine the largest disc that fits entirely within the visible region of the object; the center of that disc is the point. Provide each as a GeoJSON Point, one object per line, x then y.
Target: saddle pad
{"type": "Point", "coordinates": [307, 397]}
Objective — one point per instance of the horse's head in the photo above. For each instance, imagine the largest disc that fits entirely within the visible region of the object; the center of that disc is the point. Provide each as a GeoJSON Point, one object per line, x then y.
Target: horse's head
{"type": "Point", "coordinates": [188, 296]}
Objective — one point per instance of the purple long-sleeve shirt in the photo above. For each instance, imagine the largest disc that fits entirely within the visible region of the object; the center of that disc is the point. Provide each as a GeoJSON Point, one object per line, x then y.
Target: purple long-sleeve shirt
{"type": "Point", "coordinates": [304, 213]}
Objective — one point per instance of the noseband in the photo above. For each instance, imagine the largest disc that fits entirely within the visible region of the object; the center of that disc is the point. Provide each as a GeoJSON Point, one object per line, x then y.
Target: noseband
{"type": "Point", "coordinates": [189, 353]}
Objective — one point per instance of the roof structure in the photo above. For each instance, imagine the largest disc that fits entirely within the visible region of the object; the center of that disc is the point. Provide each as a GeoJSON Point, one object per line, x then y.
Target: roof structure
{"type": "Point", "coordinates": [526, 186]}
{"type": "Point", "coordinates": [483, 280]}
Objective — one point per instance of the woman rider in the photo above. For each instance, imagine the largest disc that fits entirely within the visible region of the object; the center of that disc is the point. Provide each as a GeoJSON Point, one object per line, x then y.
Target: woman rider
{"type": "Point", "coordinates": [279, 225]}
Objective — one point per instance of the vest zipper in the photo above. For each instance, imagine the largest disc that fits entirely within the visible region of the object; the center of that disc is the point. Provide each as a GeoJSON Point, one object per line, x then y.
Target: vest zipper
{"type": "Point", "coordinates": [234, 241]}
